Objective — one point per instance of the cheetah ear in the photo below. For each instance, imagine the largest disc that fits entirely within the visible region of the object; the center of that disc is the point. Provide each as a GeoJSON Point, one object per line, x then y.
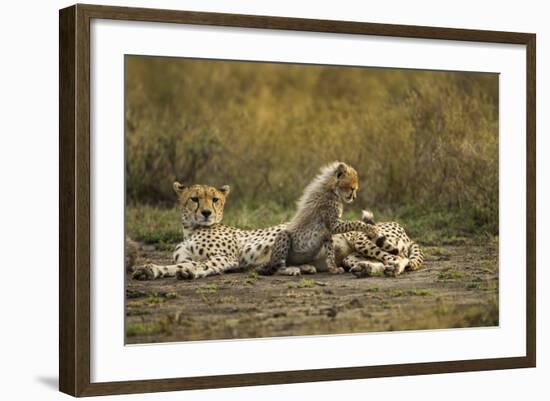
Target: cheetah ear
{"type": "Point", "coordinates": [340, 170]}
{"type": "Point", "coordinates": [225, 189]}
{"type": "Point", "coordinates": [178, 187]}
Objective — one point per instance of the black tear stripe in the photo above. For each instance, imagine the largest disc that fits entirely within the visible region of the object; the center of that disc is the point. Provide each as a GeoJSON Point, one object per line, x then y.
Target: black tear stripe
{"type": "Point", "coordinates": [195, 204]}
{"type": "Point", "coordinates": [198, 204]}
{"type": "Point", "coordinates": [214, 205]}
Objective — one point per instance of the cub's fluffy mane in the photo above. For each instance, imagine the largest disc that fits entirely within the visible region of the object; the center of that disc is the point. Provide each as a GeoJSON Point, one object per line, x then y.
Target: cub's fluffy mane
{"type": "Point", "coordinates": [318, 189]}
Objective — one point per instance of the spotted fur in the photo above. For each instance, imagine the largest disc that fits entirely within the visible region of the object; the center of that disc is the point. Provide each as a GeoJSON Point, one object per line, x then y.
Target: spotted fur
{"type": "Point", "coordinates": [210, 247]}
{"type": "Point", "coordinates": [317, 219]}
{"type": "Point", "coordinates": [364, 258]}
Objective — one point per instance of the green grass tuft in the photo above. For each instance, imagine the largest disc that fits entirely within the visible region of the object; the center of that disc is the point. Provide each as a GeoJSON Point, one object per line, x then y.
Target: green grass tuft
{"type": "Point", "coordinates": [162, 227]}
{"type": "Point", "coordinates": [207, 289]}
{"type": "Point", "coordinates": [302, 283]}
{"type": "Point", "coordinates": [154, 328]}
{"type": "Point", "coordinates": [420, 292]}
{"type": "Point", "coordinates": [450, 275]}
{"type": "Point", "coordinates": [396, 293]}
{"type": "Point", "coordinates": [483, 287]}
{"type": "Point", "coordinates": [254, 276]}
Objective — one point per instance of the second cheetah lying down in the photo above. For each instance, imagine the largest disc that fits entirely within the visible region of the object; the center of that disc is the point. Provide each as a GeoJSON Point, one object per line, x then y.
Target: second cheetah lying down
{"type": "Point", "coordinates": [358, 254]}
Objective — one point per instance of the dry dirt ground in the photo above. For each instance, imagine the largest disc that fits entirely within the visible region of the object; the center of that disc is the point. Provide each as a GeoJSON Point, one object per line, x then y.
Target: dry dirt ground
{"type": "Point", "coordinates": [457, 287]}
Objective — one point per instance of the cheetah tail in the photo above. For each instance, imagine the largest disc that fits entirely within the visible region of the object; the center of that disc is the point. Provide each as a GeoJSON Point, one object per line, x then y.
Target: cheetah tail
{"type": "Point", "coordinates": [416, 257]}
{"type": "Point", "coordinates": [367, 217]}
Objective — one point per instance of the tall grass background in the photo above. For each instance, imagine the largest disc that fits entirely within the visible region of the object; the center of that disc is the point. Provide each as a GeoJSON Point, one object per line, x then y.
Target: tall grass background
{"type": "Point", "coordinates": [425, 143]}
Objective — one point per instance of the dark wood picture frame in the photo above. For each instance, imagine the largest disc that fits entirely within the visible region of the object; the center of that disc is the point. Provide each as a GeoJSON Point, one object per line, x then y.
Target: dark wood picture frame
{"type": "Point", "coordinates": [74, 199]}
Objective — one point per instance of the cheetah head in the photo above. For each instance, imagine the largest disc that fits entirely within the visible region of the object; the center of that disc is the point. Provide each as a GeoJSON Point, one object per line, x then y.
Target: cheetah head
{"type": "Point", "coordinates": [201, 205]}
{"type": "Point", "coordinates": [346, 183]}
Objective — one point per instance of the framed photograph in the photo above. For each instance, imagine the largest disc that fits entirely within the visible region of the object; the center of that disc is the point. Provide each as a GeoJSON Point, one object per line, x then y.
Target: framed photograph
{"type": "Point", "coordinates": [249, 200]}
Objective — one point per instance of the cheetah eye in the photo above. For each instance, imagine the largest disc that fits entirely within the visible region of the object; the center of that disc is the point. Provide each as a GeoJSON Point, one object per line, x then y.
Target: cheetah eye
{"type": "Point", "coordinates": [215, 200]}
{"type": "Point", "coordinates": [195, 199]}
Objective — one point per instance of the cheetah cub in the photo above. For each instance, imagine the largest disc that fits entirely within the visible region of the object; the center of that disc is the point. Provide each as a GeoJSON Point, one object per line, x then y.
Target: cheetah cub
{"type": "Point", "coordinates": [317, 218]}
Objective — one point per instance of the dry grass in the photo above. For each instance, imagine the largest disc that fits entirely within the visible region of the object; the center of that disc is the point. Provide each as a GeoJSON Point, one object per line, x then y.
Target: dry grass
{"type": "Point", "coordinates": [420, 139]}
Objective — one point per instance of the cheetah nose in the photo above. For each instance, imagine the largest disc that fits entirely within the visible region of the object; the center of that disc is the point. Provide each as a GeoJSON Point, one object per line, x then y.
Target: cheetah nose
{"type": "Point", "coordinates": [206, 213]}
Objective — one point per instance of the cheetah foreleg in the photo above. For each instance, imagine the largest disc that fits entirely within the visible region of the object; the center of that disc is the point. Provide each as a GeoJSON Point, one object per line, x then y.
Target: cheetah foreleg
{"type": "Point", "coordinates": [371, 231]}
{"type": "Point", "coordinates": [151, 271]}
{"type": "Point", "coordinates": [217, 264]}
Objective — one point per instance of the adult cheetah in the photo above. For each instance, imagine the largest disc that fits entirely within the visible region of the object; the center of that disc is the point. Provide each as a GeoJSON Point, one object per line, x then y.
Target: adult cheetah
{"type": "Point", "coordinates": [210, 247]}
{"type": "Point", "coordinates": [358, 254]}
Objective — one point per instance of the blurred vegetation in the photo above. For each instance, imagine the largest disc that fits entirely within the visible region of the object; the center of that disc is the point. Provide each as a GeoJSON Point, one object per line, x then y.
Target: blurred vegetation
{"type": "Point", "coordinates": [425, 143]}
{"type": "Point", "coordinates": [161, 226]}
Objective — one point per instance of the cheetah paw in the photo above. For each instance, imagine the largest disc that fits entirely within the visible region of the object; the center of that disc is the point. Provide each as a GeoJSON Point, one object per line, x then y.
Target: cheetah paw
{"type": "Point", "coordinates": [290, 271]}
{"type": "Point", "coordinates": [394, 269]}
{"type": "Point", "coordinates": [360, 270]}
{"type": "Point", "coordinates": [308, 269]}
{"type": "Point", "coordinates": [391, 271]}
{"type": "Point", "coordinates": [146, 272]}
{"type": "Point", "coordinates": [186, 273]}
{"type": "Point", "coordinates": [336, 270]}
